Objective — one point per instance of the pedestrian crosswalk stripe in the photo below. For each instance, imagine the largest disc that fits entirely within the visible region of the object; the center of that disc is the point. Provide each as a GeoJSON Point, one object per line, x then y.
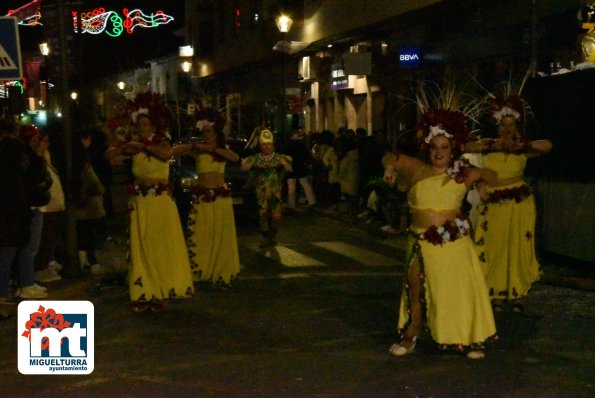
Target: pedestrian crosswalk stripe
{"type": "Point", "coordinates": [291, 258]}
{"type": "Point", "coordinates": [363, 256]}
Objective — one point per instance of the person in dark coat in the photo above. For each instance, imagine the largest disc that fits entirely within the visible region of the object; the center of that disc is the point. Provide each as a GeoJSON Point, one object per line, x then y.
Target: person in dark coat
{"type": "Point", "coordinates": [15, 210]}
{"type": "Point", "coordinates": [298, 150]}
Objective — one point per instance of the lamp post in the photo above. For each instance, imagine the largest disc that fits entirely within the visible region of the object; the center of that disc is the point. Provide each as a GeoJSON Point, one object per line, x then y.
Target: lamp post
{"type": "Point", "coordinates": [284, 25]}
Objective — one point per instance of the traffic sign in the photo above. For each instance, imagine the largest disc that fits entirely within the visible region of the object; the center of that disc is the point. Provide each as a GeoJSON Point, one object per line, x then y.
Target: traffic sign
{"type": "Point", "coordinates": [11, 67]}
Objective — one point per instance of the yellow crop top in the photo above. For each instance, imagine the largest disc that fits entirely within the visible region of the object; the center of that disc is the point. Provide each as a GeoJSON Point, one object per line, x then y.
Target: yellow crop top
{"type": "Point", "coordinates": [507, 165]}
{"type": "Point", "coordinates": [436, 193]}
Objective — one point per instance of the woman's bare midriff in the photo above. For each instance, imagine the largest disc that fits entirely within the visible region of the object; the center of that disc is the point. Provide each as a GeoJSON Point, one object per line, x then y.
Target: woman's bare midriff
{"type": "Point", "coordinates": [211, 180]}
{"type": "Point", "coordinates": [425, 218]}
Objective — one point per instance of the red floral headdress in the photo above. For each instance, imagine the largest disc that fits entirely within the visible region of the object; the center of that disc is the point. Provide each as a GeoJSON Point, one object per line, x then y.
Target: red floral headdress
{"type": "Point", "coordinates": [128, 110]}
{"type": "Point", "coordinates": [451, 124]}
{"type": "Point", "coordinates": [151, 104]}
{"type": "Point", "coordinates": [447, 110]}
{"type": "Point", "coordinates": [506, 100]}
{"type": "Point", "coordinates": [208, 115]}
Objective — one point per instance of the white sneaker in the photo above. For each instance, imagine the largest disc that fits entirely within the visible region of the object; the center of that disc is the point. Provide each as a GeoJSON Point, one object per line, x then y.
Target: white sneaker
{"type": "Point", "coordinates": [55, 266]}
{"type": "Point", "coordinates": [363, 214]}
{"type": "Point", "coordinates": [39, 287]}
{"type": "Point", "coordinates": [47, 275]}
{"type": "Point", "coordinates": [387, 228]}
{"type": "Point", "coordinates": [30, 292]}
{"type": "Point", "coordinates": [96, 269]}
{"type": "Point", "coordinates": [7, 301]}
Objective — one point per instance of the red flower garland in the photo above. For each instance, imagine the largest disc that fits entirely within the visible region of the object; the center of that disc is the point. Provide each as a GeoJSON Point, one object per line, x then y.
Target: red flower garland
{"type": "Point", "coordinates": [517, 194]}
{"type": "Point", "coordinates": [450, 231]}
{"type": "Point", "coordinates": [207, 195]}
{"type": "Point", "coordinates": [150, 189]}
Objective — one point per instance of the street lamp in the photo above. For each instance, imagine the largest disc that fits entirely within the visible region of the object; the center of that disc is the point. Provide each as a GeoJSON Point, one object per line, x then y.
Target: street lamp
{"type": "Point", "coordinates": [121, 85]}
{"type": "Point", "coordinates": [283, 24]}
{"type": "Point", "coordinates": [44, 48]}
{"type": "Point", "coordinates": [186, 66]}
{"type": "Point", "coordinates": [186, 53]}
{"type": "Point", "coordinates": [74, 95]}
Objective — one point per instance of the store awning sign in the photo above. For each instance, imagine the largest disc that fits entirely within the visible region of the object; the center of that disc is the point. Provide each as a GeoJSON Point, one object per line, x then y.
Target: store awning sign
{"type": "Point", "coordinates": [11, 67]}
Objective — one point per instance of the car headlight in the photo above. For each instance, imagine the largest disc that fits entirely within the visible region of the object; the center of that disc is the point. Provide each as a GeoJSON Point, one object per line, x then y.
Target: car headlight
{"type": "Point", "coordinates": [188, 182]}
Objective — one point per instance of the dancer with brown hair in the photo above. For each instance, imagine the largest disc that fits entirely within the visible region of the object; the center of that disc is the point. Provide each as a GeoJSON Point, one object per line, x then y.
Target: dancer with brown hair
{"type": "Point", "coordinates": [444, 284]}
{"type": "Point", "coordinates": [505, 236]}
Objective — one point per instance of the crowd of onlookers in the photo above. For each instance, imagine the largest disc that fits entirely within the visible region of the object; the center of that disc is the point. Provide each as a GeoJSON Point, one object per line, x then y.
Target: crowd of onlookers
{"type": "Point", "coordinates": [342, 172]}
{"type": "Point", "coordinates": [32, 209]}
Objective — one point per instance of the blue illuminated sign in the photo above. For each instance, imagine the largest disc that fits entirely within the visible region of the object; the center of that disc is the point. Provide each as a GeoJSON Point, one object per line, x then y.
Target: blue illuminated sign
{"type": "Point", "coordinates": [409, 57]}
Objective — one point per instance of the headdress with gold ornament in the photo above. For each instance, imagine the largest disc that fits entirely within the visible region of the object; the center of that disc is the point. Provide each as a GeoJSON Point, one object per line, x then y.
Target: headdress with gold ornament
{"type": "Point", "coordinates": [266, 137]}
{"type": "Point", "coordinates": [207, 115]}
{"type": "Point", "coordinates": [447, 109]}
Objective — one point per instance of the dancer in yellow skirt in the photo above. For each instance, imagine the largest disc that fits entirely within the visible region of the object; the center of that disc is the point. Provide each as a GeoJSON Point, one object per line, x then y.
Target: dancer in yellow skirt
{"type": "Point", "coordinates": [159, 267]}
{"type": "Point", "coordinates": [444, 285]}
{"type": "Point", "coordinates": [505, 233]}
{"type": "Point", "coordinates": [212, 240]}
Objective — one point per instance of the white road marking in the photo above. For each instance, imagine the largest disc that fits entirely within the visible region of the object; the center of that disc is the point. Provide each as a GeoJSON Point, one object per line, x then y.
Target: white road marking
{"type": "Point", "coordinates": [363, 256]}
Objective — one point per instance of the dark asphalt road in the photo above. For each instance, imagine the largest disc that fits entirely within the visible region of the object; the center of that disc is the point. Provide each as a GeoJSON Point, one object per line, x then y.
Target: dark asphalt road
{"type": "Point", "coordinates": [315, 330]}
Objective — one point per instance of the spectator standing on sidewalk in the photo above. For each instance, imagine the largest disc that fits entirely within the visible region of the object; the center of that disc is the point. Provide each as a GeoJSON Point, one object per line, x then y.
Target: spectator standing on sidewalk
{"type": "Point", "coordinates": [159, 265]}
{"type": "Point", "coordinates": [47, 268]}
{"type": "Point", "coordinates": [330, 159]}
{"type": "Point", "coordinates": [300, 154]}
{"type": "Point", "coordinates": [267, 169]}
{"type": "Point", "coordinates": [103, 170]}
{"type": "Point", "coordinates": [212, 240]}
{"type": "Point", "coordinates": [88, 197]}
{"type": "Point", "coordinates": [349, 173]}
{"type": "Point", "coordinates": [15, 210]}
{"type": "Point", "coordinates": [39, 182]}
{"type": "Point", "coordinates": [324, 142]}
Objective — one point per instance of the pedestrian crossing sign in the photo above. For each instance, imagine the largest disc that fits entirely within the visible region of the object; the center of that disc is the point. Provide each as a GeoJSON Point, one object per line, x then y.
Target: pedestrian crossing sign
{"type": "Point", "coordinates": [10, 50]}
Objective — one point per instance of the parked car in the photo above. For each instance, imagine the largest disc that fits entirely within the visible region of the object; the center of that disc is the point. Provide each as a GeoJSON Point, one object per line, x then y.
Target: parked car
{"type": "Point", "coordinates": [184, 177]}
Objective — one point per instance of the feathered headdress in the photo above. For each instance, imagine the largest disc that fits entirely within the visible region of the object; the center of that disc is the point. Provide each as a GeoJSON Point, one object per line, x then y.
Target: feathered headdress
{"type": "Point", "coordinates": [207, 115]}
{"type": "Point", "coordinates": [448, 110]}
{"type": "Point", "coordinates": [505, 99]}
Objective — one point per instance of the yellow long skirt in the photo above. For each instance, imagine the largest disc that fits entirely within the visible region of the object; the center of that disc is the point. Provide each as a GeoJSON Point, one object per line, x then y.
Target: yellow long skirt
{"type": "Point", "coordinates": [505, 240]}
{"type": "Point", "coordinates": [159, 264]}
{"type": "Point", "coordinates": [213, 243]}
{"type": "Point", "coordinates": [456, 303]}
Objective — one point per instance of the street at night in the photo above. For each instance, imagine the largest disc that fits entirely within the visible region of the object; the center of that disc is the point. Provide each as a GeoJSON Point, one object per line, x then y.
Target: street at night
{"type": "Point", "coordinates": [297, 198]}
{"type": "Point", "coordinates": [310, 319]}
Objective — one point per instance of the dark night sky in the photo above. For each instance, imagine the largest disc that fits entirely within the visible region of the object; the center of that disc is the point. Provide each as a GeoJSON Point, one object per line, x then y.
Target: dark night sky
{"type": "Point", "coordinates": [103, 55]}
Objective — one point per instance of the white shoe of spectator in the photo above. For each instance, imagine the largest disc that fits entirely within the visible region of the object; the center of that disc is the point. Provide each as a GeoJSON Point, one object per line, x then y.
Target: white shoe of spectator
{"type": "Point", "coordinates": [54, 265]}
{"type": "Point", "coordinates": [39, 287]}
{"type": "Point", "coordinates": [47, 275]}
{"type": "Point", "coordinates": [363, 214]}
{"type": "Point", "coordinates": [30, 292]}
{"type": "Point", "coordinates": [96, 269]}
{"type": "Point", "coordinates": [388, 229]}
